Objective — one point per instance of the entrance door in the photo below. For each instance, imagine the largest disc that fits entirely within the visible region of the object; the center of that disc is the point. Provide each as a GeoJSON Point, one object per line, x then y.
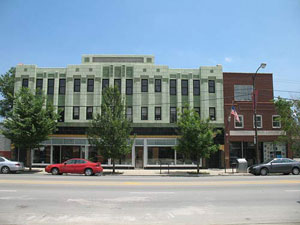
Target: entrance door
{"type": "Point", "coordinates": [139, 157]}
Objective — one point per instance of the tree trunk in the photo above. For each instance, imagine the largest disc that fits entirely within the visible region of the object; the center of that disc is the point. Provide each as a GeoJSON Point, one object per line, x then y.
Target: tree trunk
{"type": "Point", "coordinates": [113, 160]}
{"type": "Point", "coordinates": [30, 166]}
{"type": "Point", "coordinates": [198, 165]}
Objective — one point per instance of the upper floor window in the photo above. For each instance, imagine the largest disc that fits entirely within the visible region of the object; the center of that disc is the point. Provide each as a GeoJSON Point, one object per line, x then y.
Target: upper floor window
{"type": "Point", "coordinates": [157, 113]}
{"type": "Point", "coordinates": [196, 87]}
{"type": "Point", "coordinates": [129, 113]}
{"type": "Point", "coordinates": [276, 121]}
{"type": "Point", "coordinates": [76, 85]}
{"type": "Point", "coordinates": [105, 83]}
{"type": "Point", "coordinates": [212, 113]}
{"type": "Point", "coordinates": [157, 85]}
{"type": "Point", "coordinates": [173, 88]}
{"type": "Point", "coordinates": [90, 85]}
{"type": "Point", "coordinates": [197, 110]}
{"type": "Point", "coordinates": [62, 86]}
{"type": "Point", "coordinates": [50, 89]}
{"type": "Point", "coordinates": [184, 87]}
{"type": "Point", "coordinates": [76, 113]}
{"type": "Point", "coordinates": [89, 112]}
{"type": "Point", "coordinates": [258, 121]}
{"type": "Point", "coordinates": [129, 86]}
{"type": "Point", "coordinates": [144, 85]}
{"type": "Point", "coordinates": [25, 82]}
{"type": "Point", "coordinates": [211, 86]}
{"type": "Point", "coordinates": [61, 111]}
{"type": "Point", "coordinates": [118, 84]}
{"type": "Point", "coordinates": [239, 124]}
{"type": "Point", "coordinates": [144, 113]}
{"type": "Point", "coordinates": [39, 86]}
{"type": "Point", "coordinates": [243, 92]}
{"type": "Point", "coordinates": [173, 114]}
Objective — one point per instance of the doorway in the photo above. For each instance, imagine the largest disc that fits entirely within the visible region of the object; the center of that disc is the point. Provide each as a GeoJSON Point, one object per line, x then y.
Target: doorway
{"type": "Point", "coordinates": [139, 157]}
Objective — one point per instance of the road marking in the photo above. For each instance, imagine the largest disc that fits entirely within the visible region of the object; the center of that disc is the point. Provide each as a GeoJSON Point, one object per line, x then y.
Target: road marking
{"type": "Point", "coordinates": [152, 193]}
{"type": "Point", "coordinates": [8, 190]}
{"type": "Point", "coordinates": [120, 183]}
{"type": "Point", "coordinates": [292, 190]}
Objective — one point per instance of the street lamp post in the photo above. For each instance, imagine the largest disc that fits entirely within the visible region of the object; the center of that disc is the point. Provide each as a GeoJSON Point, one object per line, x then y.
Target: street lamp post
{"type": "Point", "coordinates": [262, 65]}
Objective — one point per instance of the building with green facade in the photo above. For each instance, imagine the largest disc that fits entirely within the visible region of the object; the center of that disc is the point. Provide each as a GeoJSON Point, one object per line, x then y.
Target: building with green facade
{"type": "Point", "coordinates": [154, 96]}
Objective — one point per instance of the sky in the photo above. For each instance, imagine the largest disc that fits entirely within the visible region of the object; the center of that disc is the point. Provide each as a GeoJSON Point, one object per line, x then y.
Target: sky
{"type": "Point", "coordinates": [237, 34]}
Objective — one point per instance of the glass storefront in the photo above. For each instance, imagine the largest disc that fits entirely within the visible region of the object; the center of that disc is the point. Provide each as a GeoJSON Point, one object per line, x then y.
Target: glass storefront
{"type": "Point", "coordinates": [161, 155]}
{"type": "Point", "coordinates": [42, 155]}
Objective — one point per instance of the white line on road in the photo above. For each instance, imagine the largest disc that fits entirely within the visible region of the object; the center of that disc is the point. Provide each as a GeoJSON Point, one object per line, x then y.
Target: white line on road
{"type": "Point", "coordinates": [152, 193]}
{"type": "Point", "coordinates": [292, 190]}
{"type": "Point", "coordinates": [8, 190]}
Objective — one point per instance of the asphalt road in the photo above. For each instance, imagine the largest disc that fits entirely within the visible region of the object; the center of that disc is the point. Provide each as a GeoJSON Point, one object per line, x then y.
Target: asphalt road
{"type": "Point", "coordinates": [75, 199]}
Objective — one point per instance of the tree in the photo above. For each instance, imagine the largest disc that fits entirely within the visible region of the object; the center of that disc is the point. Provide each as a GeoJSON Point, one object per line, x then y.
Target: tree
{"type": "Point", "coordinates": [30, 122]}
{"type": "Point", "coordinates": [197, 136]}
{"type": "Point", "coordinates": [109, 131]}
{"type": "Point", "coordinates": [7, 91]}
{"type": "Point", "coordinates": [289, 111]}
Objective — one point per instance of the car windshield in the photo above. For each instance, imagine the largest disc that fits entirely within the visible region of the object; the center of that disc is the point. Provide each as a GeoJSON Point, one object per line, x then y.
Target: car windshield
{"type": "Point", "coordinates": [3, 158]}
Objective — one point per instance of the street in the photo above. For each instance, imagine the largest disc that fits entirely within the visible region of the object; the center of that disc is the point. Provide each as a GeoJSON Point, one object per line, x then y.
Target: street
{"type": "Point", "coordinates": [76, 199]}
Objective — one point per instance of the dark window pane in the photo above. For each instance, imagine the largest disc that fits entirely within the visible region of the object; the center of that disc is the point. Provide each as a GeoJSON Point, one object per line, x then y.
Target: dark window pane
{"type": "Point", "coordinates": [184, 87]}
{"type": "Point", "coordinates": [76, 85]}
{"type": "Point", "coordinates": [211, 86]}
{"type": "Point", "coordinates": [129, 87]}
{"type": "Point", "coordinates": [212, 113]}
{"type": "Point", "coordinates": [129, 113]}
{"type": "Point", "coordinates": [197, 110]}
{"type": "Point", "coordinates": [62, 86]}
{"type": "Point", "coordinates": [144, 85]}
{"type": "Point", "coordinates": [61, 110]}
{"type": "Point", "coordinates": [157, 85]}
{"type": "Point", "coordinates": [105, 84]}
{"type": "Point", "coordinates": [157, 113]}
{"type": "Point", "coordinates": [50, 90]}
{"type": "Point", "coordinates": [173, 114]}
{"type": "Point", "coordinates": [25, 83]}
{"type": "Point", "coordinates": [196, 84]}
{"type": "Point", "coordinates": [173, 89]}
{"type": "Point", "coordinates": [89, 112]}
{"type": "Point", "coordinates": [144, 113]}
{"type": "Point", "coordinates": [90, 85]}
{"type": "Point", "coordinates": [118, 84]}
{"type": "Point", "coordinates": [39, 86]}
{"type": "Point", "coordinates": [76, 113]}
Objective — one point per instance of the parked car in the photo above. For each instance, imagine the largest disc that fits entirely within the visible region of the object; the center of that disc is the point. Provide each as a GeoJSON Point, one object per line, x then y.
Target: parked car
{"type": "Point", "coordinates": [277, 165]}
{"type": "Point", "coordinates": [7, 166]}
{"type": "Point", "coordinates": [81, 166]}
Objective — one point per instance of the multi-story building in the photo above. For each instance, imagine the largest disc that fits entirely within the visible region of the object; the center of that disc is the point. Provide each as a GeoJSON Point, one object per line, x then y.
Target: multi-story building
{"type": "Point", "coordinates": [154, 96]}
{"type": "Point", "coordinates": [240, 136]}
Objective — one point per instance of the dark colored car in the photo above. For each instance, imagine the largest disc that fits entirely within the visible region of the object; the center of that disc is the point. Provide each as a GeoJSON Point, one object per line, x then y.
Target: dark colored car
{"type": "Point", "coordinates": [81, 166]}
{"type": "Point", "coordinates": [277, 165]}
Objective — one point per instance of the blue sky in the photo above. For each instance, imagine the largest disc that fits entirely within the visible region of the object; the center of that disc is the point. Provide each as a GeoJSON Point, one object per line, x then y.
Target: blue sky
{"type": "Point", "coordinates": [181, 34]}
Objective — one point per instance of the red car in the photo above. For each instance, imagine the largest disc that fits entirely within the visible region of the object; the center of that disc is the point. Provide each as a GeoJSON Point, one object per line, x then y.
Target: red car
{"type": "Point", "coordinates": [82, 166]}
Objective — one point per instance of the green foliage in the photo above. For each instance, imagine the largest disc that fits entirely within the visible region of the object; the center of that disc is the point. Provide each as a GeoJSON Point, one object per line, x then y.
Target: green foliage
{"type": "Point", "coordinates": [31, 121]}
{"type": "Point", "coordinates": [7, 91]}
{"type": "Point", "coordinates": [197, 136]}
{"type": "Point", "coordinates": [109, 132]}
{"type": "Point", "coordinates": [289, 111]}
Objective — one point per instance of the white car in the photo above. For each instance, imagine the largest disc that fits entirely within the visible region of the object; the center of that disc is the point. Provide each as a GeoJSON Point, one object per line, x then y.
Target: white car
{"type": "Point", "coordinates": [7, 166]}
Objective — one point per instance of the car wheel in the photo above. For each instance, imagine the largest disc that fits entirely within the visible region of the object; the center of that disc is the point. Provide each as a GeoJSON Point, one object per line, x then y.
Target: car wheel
{"type": "Point", "coordinates": [88, 172]}
{"type": "Point", "coordinates": [295, 171]}
{"type": "Point", "coordinates": [5, 170]}
{"type": "Point", "coordinates": [55, 171]}
{"type": "Point", "coordinates": [264, 171]}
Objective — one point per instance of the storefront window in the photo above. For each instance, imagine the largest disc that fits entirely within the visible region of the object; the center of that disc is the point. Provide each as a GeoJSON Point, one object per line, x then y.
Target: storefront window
{"type": "Point", "coordinates": [69, 152]}
{"type": "Point", "coordinates": [161, 155]}
{"type": "Point", "coordinates": [183, 160]}
{"type": "Point", "coordinates": [125, 160]}
{"type": "Point", "coordinates": [42, 155]}
{"type": "Point", "coordinates": [95, 157]}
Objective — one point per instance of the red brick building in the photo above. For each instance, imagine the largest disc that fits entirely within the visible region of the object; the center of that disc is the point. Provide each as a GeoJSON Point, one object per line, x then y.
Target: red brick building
{"type": "Point", "coordinates": [239, 136]}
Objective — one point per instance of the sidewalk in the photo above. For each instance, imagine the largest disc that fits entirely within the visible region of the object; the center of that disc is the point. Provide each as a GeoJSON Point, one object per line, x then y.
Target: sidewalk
{"type": "Point", "coordinates": [157, 172]}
